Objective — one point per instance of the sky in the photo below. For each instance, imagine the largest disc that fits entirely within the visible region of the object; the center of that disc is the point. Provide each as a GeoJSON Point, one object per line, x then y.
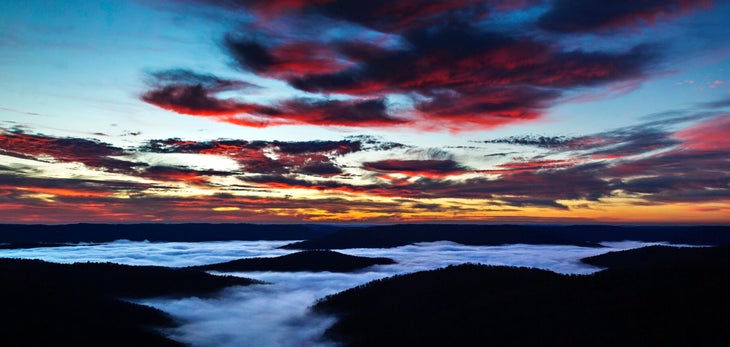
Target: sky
{"type": "Point", "coordinates": [334, 111]}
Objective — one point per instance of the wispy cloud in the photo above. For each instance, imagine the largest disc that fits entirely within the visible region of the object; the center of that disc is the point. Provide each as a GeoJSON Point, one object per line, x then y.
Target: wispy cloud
{"type": "Point", "coordinates": [363, 178]}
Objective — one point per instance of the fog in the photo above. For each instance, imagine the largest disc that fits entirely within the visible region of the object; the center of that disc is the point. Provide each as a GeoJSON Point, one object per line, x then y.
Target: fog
{"type": "Point", "coordinates": [175, 254]}
{"type": "Point", "coordinates": [277, 314]}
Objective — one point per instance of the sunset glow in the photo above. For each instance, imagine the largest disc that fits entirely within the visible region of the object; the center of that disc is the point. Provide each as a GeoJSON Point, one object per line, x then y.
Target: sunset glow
{"type": "Point", "coordinates": [365, 111]}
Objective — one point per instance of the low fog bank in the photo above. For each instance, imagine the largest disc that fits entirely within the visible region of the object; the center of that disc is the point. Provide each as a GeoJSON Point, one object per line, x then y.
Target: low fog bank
{"type": "Point", "coordinates": [277, 314]}
{"type": "Point", "coordinates": [174, 254]}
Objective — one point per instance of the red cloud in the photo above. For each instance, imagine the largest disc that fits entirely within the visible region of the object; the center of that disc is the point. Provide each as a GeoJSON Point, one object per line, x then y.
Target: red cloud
{"type": "Point", "coordinates": [275, 157]}
{"type": "Point", "coordinates": [297, 58]}
{"type": "Point", "coordinates": [91, 153]}
{"type": "Point", "coordinates": [711, 135]}
{"type": "Point", "coordinates": [456, 73]}
{"type": "Point", "coordinates": [196, 100]}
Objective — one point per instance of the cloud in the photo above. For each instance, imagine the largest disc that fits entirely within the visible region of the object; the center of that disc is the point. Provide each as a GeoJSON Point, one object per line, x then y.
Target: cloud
{"type": "Point", "coordinates": [395, 16]}
{"type": "Point", "coordinates": [707, 136]}
{"type": "Point", "coordinates": [589, 15]}
{"type": "Point", "coordinates": [190, 93]}
{"type": "Point", "coordinates": [434, 66]}
{"type": "Point", "coordinates": [187, 92]}
{"type": "Point", "coordinates": [611, 144]}
{"type": "Point", "coordinates": [191, 78]}
{"type": "Point", "coordinates": [179, 174]}
{"type": "Point", "coordinates": [533, 140]}
{"type": "Point", "coordinates": [648, 161]}
{"type": "Point", "coordinates": [661, 162]}
{"type": "Point", "coordinates": [458, 74]}
{"type": "Point", "coordinates": [363, 112]}
{"type": "Point", "coordinates": [90, 152]}
{"type": "Point", "coordinates": [285, 60]}
{"type": "Point", "coordinates": [428, 168]}
{"type": "Point", "coordinates": [282, 157]}
{"type": "Point", "coordinates": [17, 188]}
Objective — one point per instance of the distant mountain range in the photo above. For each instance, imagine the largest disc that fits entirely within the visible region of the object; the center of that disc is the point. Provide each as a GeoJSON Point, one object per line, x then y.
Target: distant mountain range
{"type": "Point", "coordinates": [662, 257]}
{"type": "Point", "coordinates": [28, 235]}
{"type": "Point", "coordinates": [317, 236]}
{"type": "Point", "coordinates": [491, 235]}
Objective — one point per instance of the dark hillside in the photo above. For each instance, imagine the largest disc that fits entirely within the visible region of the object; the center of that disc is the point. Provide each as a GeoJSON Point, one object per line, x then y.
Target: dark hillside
{"type": "Point", "coordinates": [122, 280]}
{"type": "Point", "coordinates": [47, 304]}
{"type": "Point", "coordinates": [317, 260]}
{"type": "Point", "coordinates": [471, 305]}
{"type": "Point", "coordinates": [95, 233]}
{"type": "Point", "coordinates": [662, 256]}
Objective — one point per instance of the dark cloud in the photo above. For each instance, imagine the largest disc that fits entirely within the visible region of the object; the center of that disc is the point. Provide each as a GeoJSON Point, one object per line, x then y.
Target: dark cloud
{"type": "Point", "coordinates": [395, 16]}
{"type": "Point", "coordinates": [90, 152]}
{"type": "Point", "coordinates": [338, 147]}
{"type": "Point", "coordinates": [596, 15]}
{"type": "Point", "coordinates": [429, 168]}
{"type": "Point", "coordinates": [661, 166]}
{"type": "Point", "coordinates": [722, 103]}
{"type": "Point", "coordinates": [191, 78]}
{"type": "Point", "coordinates": [15, 187]}
{"type": "Point", "coordinates": [372, 112]}
{"type": "Point", "coordinates": [250, 54]}
{"type": "Point", "coordinates": [457, 72]}
{"type": "Point", "coordinates": [653, 163]}
{"type": "Point", "coordinates": [190, 93]}
{"type": "Point", "coordinates": [280, 157]}
{"type": "Point", "coordinates": [182, 174]}
{"type": "Point", "coordinates": [187, 92]}
{"type": "Point", "coordinates": [534, 140]}
{"type": "Point", "coordinates": [287, 59]}
{"type": "Point", "coordinates": [613, 144]}
{"type": "Point", "coordinates": [625, 143]}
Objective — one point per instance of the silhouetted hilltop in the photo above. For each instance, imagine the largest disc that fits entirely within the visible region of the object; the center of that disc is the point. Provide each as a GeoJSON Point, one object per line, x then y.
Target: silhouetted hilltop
{"type": "Point", "coordinates": [662, 256]}
{"type": "Point", "coordinates": [315, 260]}
{"type": "Point", "coordinates": [95, 233]}
{"type": "Point", "coordinates": [124, 280]}
{"type": "Point", "coordinates": [403, 234]}
{"type": "Point", "coordinates": [681, 235]}
{"type": "Point", "coordinates": [48, 304]}
{"type": "Point", "coordinates": [579, 235]}
{"type": "Point", "coordinates": [477, 305]}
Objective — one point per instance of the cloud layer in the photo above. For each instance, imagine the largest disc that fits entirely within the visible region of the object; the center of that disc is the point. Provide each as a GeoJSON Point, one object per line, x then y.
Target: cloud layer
{"type": "Point", "coordinates": [679, 161]}
{"type": "Point", "coordinates": [445, 65]}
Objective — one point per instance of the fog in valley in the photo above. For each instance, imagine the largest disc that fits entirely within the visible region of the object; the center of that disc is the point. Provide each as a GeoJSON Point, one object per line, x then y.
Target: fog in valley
{"type": "Point", "coordinates": [277, 314]}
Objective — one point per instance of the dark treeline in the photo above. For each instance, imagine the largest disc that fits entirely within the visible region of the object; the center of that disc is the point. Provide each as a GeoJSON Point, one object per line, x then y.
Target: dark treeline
{"type": "Point", "coordinates": [580, 235]}
{"type": "Point", "coordinates": [662, 256]}
{"type": "Point", "coordinates": [48, 304]}
{"type": "Point", "coordinates": [28, 235]}
{"type": "Point", "coordinates": [315, 260]}
{"type": "Point", "coordinates": [477, 305]}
